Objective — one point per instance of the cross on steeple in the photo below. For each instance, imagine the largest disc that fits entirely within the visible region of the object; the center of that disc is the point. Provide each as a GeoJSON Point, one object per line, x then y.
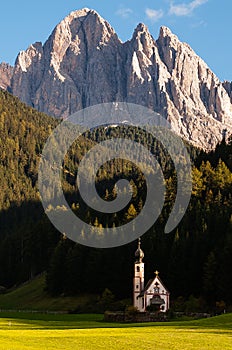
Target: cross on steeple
{"type": "Point", "coordinates": [156, 273]}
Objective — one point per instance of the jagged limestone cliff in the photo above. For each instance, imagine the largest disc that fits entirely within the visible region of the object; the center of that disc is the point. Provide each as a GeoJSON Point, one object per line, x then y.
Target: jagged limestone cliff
{"type": "Point", "coordinates": [84, 63]}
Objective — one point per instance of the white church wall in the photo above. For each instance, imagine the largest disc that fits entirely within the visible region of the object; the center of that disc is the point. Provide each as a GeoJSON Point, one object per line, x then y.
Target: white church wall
{"type": "Point", "coordinates": [163, 293]}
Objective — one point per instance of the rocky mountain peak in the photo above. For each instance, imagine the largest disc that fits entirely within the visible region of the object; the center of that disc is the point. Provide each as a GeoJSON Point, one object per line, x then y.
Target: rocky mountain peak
{"type": "Point", "coordinates": [85, 21]}
{"type": "Point", "coordinates": [168, 44]}
{"type": "Point", "coordinates": [166, 32]}
{"type": "Point", "coordinates": [81, 32]}
{"type": "Point", "coordinates": [25, 58]}
{"type": "Point", "coordinates": [167, 38]}
{"type": "Point", "coordinates": [84, 63]}
{"type": "Point", "coordinates": [141, 28]}
{"type": "Point", "coordinates": [6, 72]}
{"type": "Point", "coordinates": [143, 41]}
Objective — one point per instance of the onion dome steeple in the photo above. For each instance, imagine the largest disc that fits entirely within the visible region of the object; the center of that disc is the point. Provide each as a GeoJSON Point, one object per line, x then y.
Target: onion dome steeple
{"type": "Point", "coordinates": [139, 254]}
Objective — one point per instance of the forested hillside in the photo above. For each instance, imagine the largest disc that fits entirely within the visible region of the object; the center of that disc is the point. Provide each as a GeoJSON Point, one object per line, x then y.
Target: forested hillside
{"type": "Point", "coordinates": [23, 241]}
{"type": "Point", "coordinates": [195, 259]}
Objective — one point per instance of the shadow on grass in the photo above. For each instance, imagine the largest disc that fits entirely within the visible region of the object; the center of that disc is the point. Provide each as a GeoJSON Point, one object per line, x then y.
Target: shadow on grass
{"type": "Point", "coordinates": [219, 324]}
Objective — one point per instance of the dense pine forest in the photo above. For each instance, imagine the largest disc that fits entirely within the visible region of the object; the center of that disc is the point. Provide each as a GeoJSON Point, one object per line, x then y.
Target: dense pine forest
{"type": "Point", "coordinates": [194, 260]}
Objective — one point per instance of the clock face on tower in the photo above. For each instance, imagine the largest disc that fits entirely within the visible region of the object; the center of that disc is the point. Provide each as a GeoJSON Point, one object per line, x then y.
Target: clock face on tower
{"type": "Point", "coordinates": [156, 290]}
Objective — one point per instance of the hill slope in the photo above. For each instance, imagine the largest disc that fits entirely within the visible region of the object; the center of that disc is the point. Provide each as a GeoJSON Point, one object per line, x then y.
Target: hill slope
{"type": "Point", "coordinates": [32, 296]}
{"type": "Point", "coordinates": [23, 132]}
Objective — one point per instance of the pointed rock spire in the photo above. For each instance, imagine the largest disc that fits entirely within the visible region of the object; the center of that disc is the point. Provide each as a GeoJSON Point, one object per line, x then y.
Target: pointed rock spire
{"type": "Point", "coordinates": [83, 63]}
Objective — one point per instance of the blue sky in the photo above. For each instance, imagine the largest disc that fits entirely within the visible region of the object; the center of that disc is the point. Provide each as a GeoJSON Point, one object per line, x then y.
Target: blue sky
{"type": "Point", "coordinates": [204, 24]}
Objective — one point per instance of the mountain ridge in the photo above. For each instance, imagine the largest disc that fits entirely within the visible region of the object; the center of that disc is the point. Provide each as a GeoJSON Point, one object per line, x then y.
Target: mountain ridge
{"type": "Point", "coordinates": [6, 73]}
{"type": "Point", "coordinates": [83, 63]}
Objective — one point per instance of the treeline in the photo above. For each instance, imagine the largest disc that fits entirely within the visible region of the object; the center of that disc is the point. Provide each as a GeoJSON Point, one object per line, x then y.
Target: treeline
{"type": "Point", "coordinates": [195, 259]}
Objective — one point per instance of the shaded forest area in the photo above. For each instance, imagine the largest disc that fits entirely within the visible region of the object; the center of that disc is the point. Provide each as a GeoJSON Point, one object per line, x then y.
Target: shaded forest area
{"type": "Point", "coordinates": [195, 259]}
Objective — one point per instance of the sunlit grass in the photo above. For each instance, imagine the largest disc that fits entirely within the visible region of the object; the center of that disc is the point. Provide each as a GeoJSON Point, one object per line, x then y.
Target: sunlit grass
{"type": "Point", "coordinates": [90, 332]}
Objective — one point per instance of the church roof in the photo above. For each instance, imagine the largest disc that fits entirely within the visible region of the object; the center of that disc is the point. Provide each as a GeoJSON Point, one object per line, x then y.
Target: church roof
{"type": "Point", "coordinates": [149, 283]}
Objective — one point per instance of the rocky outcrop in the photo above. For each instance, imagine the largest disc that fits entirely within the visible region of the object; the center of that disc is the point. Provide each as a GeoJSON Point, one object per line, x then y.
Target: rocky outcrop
{"type": "Point", "coordinates": [73, 69]}
{"type": "Point", "coordinates": [84, 63]}
{"type": "Point", "coordinates": [228, 87]}
{"type": "Point", "coordinates": [6, 72]}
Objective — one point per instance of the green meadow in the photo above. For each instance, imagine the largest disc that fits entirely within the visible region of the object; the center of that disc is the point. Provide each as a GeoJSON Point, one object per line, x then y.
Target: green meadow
{"type": "Point", "coordinates": [22, 330]}
{"type": "Point", "coordinates": [19, 331]}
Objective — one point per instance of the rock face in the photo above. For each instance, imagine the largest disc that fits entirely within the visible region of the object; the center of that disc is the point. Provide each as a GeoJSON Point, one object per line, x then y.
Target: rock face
{"type": "Point", "coordinates": [228, 87]}
{"type": "Point", "coordinates": [84, 63]}
{"type": "Point", "coordinates": [6, 73]}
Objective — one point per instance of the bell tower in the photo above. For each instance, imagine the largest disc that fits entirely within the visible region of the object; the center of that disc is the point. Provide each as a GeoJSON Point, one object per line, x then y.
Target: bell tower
{"type": "Point", "coordinates": [138, 285]}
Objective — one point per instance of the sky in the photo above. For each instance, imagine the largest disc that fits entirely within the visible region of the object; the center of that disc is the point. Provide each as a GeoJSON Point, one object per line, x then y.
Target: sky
{"type": "Point", "coordinates": [204, 24]}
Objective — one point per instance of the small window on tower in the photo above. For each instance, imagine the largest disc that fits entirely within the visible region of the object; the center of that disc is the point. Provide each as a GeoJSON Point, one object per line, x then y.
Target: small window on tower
{"type": "Point", "coordinates": [137, 286]}
{"type": "Point", "coordinates": [138, 268]}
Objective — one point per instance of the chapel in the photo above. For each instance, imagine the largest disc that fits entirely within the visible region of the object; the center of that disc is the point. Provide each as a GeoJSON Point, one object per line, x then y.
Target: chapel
{"type": "Point", "coordinates": [154, 293]}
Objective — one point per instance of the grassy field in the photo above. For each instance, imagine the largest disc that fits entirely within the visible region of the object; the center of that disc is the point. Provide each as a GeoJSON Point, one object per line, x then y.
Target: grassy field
{"type": "Point", "coordinates": [19, 331]}
{"type": "Point", "coordinates": [32, 296]}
